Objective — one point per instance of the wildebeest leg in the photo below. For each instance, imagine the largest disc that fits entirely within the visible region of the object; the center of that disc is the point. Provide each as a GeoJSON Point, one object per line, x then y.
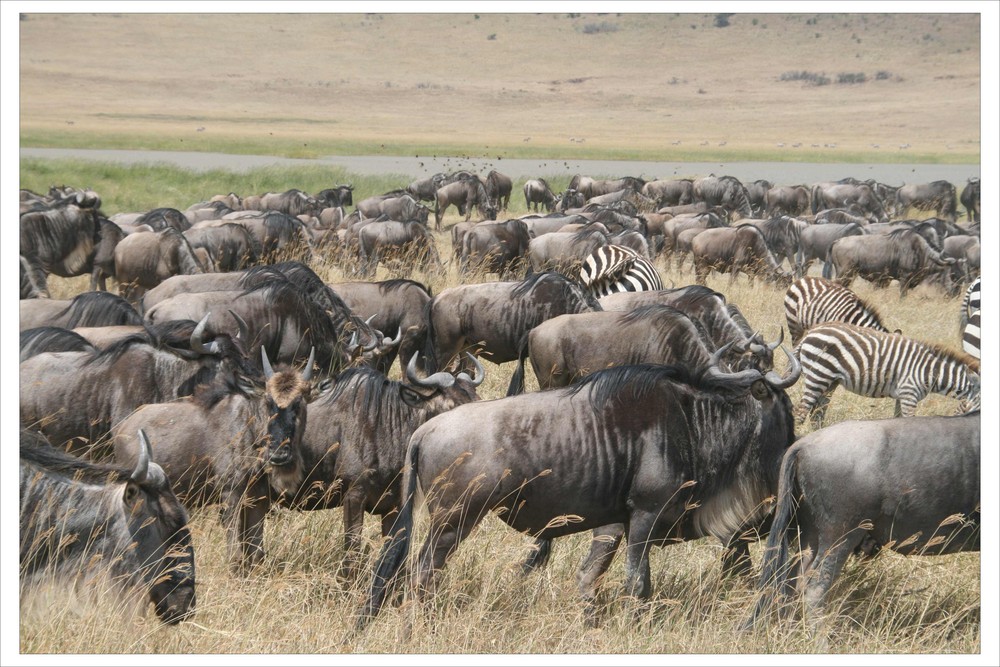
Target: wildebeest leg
{"type": "Point", "coordinates": [243, 517]}
{"type": "Point", "coordinates": [538, 558]}
{"type": "Point", "coordinates": [354, 518]}
{"type": "Point", "coordinates": [832, 552]}
{"type": "Point", "coordinates": [640, 527]}
{"type": "Point", "coordinates": [439, 546]}
{"type": "Point", "coordinates": [736, 555]}
{"type": "Point", "coordinates": [590, 575]}
{"type": "Point", "coordinates": [37, 276]}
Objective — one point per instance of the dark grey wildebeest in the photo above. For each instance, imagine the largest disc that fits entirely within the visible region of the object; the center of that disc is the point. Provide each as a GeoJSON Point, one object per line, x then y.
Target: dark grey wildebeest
{"type": "Point", "coordinates": [355, 442]}
{"type": "Point", "coordinates": [87, 309]}
{"type": "Point", "coordinates": [52, 339]}
{"type": "Point", "coordinates": [757, 194]}
{"type": "Point", "coordinates": [423, 189]}
{"type": "Point", "coordinates": [494, 247]}
{"type": "Point", "coordinates": [145, 259]}
{"type": "Point", "coordinates": [231, 247]}
{"type": "Point", "coordinates": [399, 208]}
{"type": "Point", "coordinates": [464, 194]}
{"type": "Point", "coordinates": [670, 192]}
{"type": "Point", "coordinates": [840, 195]}
{"type": "Point", "coordinates": [937, 196]}
{"type": "Point", "coordinates": [564, 251]}
{"type": "Point", "coordinates": [902, 255]}
{"type": "Point", "coordinates": [787, 200]}
{"type": "Point", "coordinates": [670, 454]}
{"type": "Point", "coordinates": [734, 250]}
{"type": "Point", "coordinates": [77, 397]}
{"type": "Point", "coordinates": [82, 521]}
{"type": "Point", "coordinates": [815, 242]}
{"type": "Point", "coordinates": [404, 246]}
{"type": "Point", "coordinates": [724, 191]}
{"type": "Point", "coordinates": [498, 188]}
{"type": "Point", "coordinates": [235, 445]}
{"type": "Point", "coordinates": [971, 200]}
{"type": "Point", "coordinates": [538, 193]}
{"type": "Point", "coordinates": [911, 485]}
{"type": "Point", "coordinates": [339, 195]}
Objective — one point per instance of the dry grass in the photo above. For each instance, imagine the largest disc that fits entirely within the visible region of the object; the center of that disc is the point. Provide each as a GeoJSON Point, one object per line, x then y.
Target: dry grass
{"type": "Point", "coordinates": [295, 604]}
{"type": "Point", "coordinates": [543, 85]}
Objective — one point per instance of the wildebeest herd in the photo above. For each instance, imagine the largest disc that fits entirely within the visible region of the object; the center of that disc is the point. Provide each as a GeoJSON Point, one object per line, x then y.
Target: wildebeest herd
{"type": "Point", "coordinates": [228, 372]}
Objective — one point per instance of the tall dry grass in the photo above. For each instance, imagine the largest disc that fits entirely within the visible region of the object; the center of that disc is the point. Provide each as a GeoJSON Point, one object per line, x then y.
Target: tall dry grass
{"type": "Point", "coordinates": [295, 604]}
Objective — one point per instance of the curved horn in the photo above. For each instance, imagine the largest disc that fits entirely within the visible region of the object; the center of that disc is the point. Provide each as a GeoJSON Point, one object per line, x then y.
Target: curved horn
{"type": "Point", "coordinates": [390, 342]}
{"type": "Point", "coordinates": [717, 356]}
{"type": "Point", "coordinates": [197, 342]}
{"type": "Point", "coordinates": [781, 337]}
{"type": "Point", "coordinates": [145, 454]}
{"type": "Point", "coordinates": [265, 364]}
{"type": "Point", "coordinates": [741, 379]}
{"type": "Point", "coordinates": [307, 374]}
{"type": "Point", "coordinates": [243, 332]}
{"type": "Point", "coordinates": [440, 380]}
{"type": "Point", "coordinates": [794, 371]}
{"type": "Point", "coordinates": [480, 372]}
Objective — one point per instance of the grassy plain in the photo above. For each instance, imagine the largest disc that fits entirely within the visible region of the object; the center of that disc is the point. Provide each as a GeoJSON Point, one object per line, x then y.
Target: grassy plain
{"type": "Point", "coordinates": [664, 86]}
{"type": "Point", "coordinates": [295, 604]}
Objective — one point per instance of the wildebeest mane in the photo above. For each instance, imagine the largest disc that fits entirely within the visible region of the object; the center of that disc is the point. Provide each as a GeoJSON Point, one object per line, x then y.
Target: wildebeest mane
{"type": "Point", "coordinates": [52, 339]}
{"type": "Point", "coordinates": [36, 450]}
{"type": "Point", "coordinates": [98, 309]}
{"type": "Point", "coordinates": [373, 388]}
{"type": "Point", "coordinates": [394, 284]}
{"type": "Point", "coordinates": [586, 232]}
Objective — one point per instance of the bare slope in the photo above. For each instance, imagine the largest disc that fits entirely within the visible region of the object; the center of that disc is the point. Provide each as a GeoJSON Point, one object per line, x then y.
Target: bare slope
{"type": "Point", "coordinates": [556, 83]}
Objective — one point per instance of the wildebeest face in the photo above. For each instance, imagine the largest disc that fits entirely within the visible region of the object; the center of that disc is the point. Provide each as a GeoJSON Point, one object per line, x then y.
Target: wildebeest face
{"type": "Point", "coordinates": [284, 431]}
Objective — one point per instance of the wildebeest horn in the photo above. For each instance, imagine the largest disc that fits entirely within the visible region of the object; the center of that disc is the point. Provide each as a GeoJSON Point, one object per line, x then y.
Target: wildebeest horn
{"type": "Point", "coordinates": [265, 364]}
{"type": "Point", "coordinates": [741, 379]}
{"type": "Point", "coordinates": [781, 337]}
{"type": "Point", "coordinates": [244, 331]}
{"type": "Point", "coordinates": [480, 372]}
{"type": "Point", "coordinates": [307, 374]}
{"type": "Point", "coordinates": [794, 371]}
{"type": "Point", "coordinates": [390, 342]}
{"type": "Point", "coordinates": [440, 379]}
{"type": "Point", "coordinates": [145, 454]}
{"type": "Point", "coordinates": [197, 344]}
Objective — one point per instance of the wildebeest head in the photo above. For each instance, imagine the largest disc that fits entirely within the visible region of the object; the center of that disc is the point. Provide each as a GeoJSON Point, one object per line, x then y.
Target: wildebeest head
{"type": "Point", "coordinates": [286, 395]}
{"type": "Point", "coordinates": [443, 389]}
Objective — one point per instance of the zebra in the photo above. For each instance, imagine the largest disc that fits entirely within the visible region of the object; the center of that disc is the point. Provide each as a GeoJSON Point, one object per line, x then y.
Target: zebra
{"type": "Point", "coordinates": [615, 268]}
{"type": "Point", "coordinates": [971, 302]}
{"type": "Point", "coordinates": [878, 364]}
{"type": "Point", "coordinates": [971, 341]}
{"type": "Point", "coordinates": [810, 301]}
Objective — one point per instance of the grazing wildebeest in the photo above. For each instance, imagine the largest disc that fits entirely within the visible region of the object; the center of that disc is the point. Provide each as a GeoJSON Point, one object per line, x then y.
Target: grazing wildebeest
{"type": "Point", "coordinates": [839, 195]}
{"type": "Point", "coordinates": [966, 250]}
{"type": "Point", "coordinates": [537, 192]}
{"type": "Point", "coordinates": [757, 194]}
{"type": "Point", "coordinates": [970, 199]}
{"type": "Point", "coordinates": [77, 397]}
{"type": "Point", "coordinates": [498, 187]}
{"type": "Point", "coordinates": [937, 196]}
{"type": "Point", "coordinates": [231, 246]}
{"type": "Point", "coordinates": [684, 221]}
{"type": "Point", "coordinates": [878, 364]}
{"type": "Point", "coordinates": [783, 236]}
{"type": "Point", "coordinates": [495, 318]}
{"type": "Point", "coordinates": [407, 245]}
{"type": "Point", "coordinates": [145, 259]}
{"type": "Point", "coordinates": [494, 247]}
{"type": "Point", "coordinates": [786, 199]}
{"type": "Point", "coordinates": [87, 309]}
{"type": "Point", "coordinates": [569, 199]}
{"type": "Point", "coordinates": [79, 519]}
{"type": "Point", "coordinates": [672, 454]}
{"type": "Point", "coordinates": [232, 445]}
{"type": "Point", "coordinates": [464, 194]}
{"type": "Point", "coordinates": [60, 238]}
{"type": "Point", "coordinates": [724, 191]}
{"type": "Point", "coordinates": [670, 192]}
{"type": "Point", "coordinates": [815, 242]}
{"type": "Point", "coordinates": [355, 442]}
{"type": "Point", "coordinates": [903, 255]}
{"type": "Point", "coordinates": [563, 251]}
{"type": "Point", "coordinates": [161, 218]}
{"type": "Point", "coordinates": [423, 189]}
{"type": "Point", "coordinates": [52, 339]}
{"type": "Point", "coordinates": [810, 301]}
{"type": "Point", "coordinates": [910, 485]}
{"type": "Point", "coordinates": [735, 249]}
{"type": "Point", "coordinates": [393, 307]}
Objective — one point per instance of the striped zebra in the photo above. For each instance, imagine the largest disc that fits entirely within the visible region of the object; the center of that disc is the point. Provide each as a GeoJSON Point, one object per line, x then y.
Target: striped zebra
{"type": "Point", "coordinates": [810, 301]}
{"type": "Point", "coordinates": [878, 364]}
{"type": "Point", "coordinates": [615, 268]}
{"type": "Point", "coordinates": [971, 302]}
{"type": "Point", "coordinates": [971, 341]}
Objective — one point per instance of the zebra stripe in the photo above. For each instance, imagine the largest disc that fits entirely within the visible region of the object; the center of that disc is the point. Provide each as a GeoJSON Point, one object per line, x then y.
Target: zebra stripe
{"type": "Point", "coordinates": [810, 301]}
{"type": "Point", "coordinates": [971, 340]}
{"type": "Point", "coordinates": [614, 268]}
{"type": "Point", "coordinates": [878, 364]}
{"type": "Point", "coordinates": [971, 302]}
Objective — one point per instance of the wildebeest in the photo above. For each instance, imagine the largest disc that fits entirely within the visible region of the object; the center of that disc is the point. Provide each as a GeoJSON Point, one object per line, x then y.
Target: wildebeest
{"type": "Point", "coordinates": [423, 189]}
{"type": "Point", "coordinates": [843, 216]}
{"type": "Point", "coordinates": [815, 242]}
{"type": "Point", "coordinates": [903, 255]}
{"type": "Point", "coordinates": [231, 246]}
{"type": "Point", "coordinates": [394, 307]}
{"type": "Point", "coordinates": [145, 259]}
{"type": "Point", "coordinates": [563, 251]}
{"type": "Point", "coordinates": [498, 188]}
{"type": "Point", "coordinates": [786, 199]}
{"type": "Point", "coordinates": [966, 250]}
{"type": "Point", "coordinates": [29, 289]}
{"type": "Point", "coordinates": [232, 445]}
{"type": "Point", "coordinates": [838, 195]}
{"type": "Point", "coordinates": [399, 208]}
{"type": "Point", "coordinates": [355, 442]}
{"type": "Point", "coordinates": [494, 247]}
{"type": "Point", "coordinates": [87, 309]}
{"type": "Point", "coordinates": [970, 199]}
{"type": "Point", "coordinates": [339, 195]}
{"type": "Point", "coordinates": [757, 194]}
{"type": "Point", "coordinates": [496, 317]}
{"type": "Point", "coordinates": [463, 194]}
{"type": "Point", "coordinates": [79, 519]}
{"type": "Point", "coordinates": [537, 192]}
{"type": "Point", "coordinates": [810, 301]}
{"type": "Point", "coordinates": [670, 192]}
{"type": "Point", "coordinates": [937, 196]}
{"type": "Point", "coordinates": [671, 454]}
{"type": "Point", "coordinates": [783, 236]}
{"type": "Point", "coordinates": [724, 191]}
{"type": "Point", "coordinates": [910, 485]}
{"type": "Point", "coordinates": [52, 339]}
{"type": "Point", "coordinates": [590, 187]}
{"type": "Point", "coordinates": [161, 218]}
{"type": "Point", "coordinates": [60, 238]}
{"type": "Point", "coordinates": [878, 364]}
{"type": "Point", "coordinates": [735, 249]}
{"type": "Point", "coordinates": [406, 245]}
{"type": "Point", "coordinates": [292, 202]}
{"type": "Point", "coordinates": [77, 397]}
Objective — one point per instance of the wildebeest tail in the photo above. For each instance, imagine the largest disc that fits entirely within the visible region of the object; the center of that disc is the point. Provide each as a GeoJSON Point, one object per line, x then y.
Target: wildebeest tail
{"type": "Point", "coordinates": [395, 551]}
{"type": "Point", "coordinates": [774, 568]}
{"type": "Point", "coordinates": [828, 264]}
{"type": "Point", "coordinates": [516, 385]}
{"type": "Point", "coordinates": [430, 341]}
